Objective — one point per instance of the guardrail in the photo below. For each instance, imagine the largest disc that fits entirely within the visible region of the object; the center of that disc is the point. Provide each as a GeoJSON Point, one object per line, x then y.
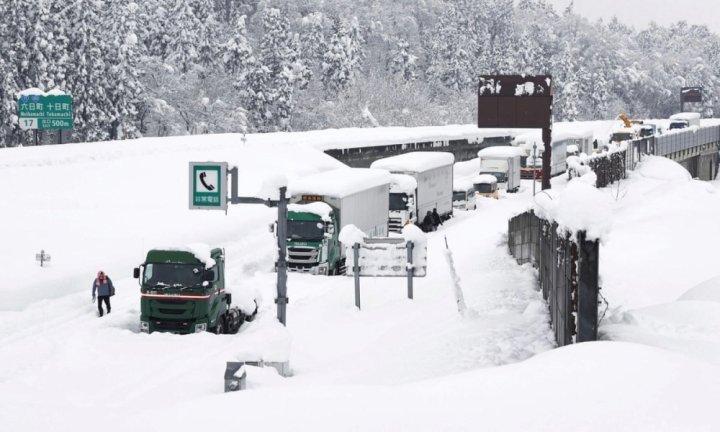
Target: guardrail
{"type": "Point", "coordinates": [685, 140]}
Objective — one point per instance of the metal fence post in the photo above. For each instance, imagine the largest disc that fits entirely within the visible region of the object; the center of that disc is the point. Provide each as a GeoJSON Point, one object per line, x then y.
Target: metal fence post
{"type": "Point", "coordinates": [410, 269]}
{"type": "Point", "coordinates": [356, 272]}
{"type": "Point", "coordinates": [587, 289]}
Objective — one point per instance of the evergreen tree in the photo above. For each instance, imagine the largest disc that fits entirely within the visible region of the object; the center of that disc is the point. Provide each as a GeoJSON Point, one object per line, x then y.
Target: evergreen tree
{"type": "Point", "coordinates": [449, 51]}
{"type": "Point", "coordinates": [123, 87]}
{"type": "Point", "coordinates": [279, 53]}
{"type": "Point", "coordinates": [342, 59]}
{"type": "Point", "coordinates": [184, 37]}
{"type": "Point", "coordinates": [237, 51]}
{"type": "Point", "coordinates": [86, 79]}
{"type": "Point", "coordinates": [403, 63]}
{"type": "Point", "coordinates": [8, 117]}
{"type": "Point", "coordinates": [256, 93]}
{"type": "Point", "coordinates": [312, 39]}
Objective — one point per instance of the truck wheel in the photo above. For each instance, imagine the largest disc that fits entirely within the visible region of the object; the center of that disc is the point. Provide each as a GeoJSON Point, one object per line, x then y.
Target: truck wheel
{"type": "Point", "coordinates": [220, 326]}
{"type": "Point", "coordinates": [251, 317]}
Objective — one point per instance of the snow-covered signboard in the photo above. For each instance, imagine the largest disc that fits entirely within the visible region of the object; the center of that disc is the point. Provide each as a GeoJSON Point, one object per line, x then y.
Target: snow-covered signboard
{"type": "Point", "coordinates": [40, 110]}
{"type": "Point", "coordinates": [517, 101]}
{"type": "Point", "coordinates": [691, 94]}
{"type": "Point", "coordinates": [386, 256]}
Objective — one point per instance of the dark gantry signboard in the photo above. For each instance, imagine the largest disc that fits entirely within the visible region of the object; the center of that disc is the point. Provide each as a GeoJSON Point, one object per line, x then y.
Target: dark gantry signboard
{"type": "Point", "coordinates": [516, 101]}
{"type": "Point", "coordinates": [691, 94]}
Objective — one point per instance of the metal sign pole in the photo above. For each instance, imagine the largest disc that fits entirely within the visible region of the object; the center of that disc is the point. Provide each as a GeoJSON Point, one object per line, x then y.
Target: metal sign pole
{"type": "Point", "coordinates": [282, 299]}
{"type": "Point", "coordinates": [356, 272]}
{"type": "Point", "coordinates": [534, 166]}
{"type": "Point", "coordinates": [546, 157]}
{"type": "Point", "coordinates": [281, 203]}
{"type": "Point", "coordinates": [410, 269]}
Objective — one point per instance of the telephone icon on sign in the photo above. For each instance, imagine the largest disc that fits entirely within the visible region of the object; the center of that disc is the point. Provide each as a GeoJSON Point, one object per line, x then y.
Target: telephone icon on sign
{"type": "Point", "coordinates": [202, 180]}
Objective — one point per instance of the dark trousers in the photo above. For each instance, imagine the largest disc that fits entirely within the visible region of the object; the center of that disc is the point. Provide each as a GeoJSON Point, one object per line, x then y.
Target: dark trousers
{"type": "Point", "coordinates": [106, 299]}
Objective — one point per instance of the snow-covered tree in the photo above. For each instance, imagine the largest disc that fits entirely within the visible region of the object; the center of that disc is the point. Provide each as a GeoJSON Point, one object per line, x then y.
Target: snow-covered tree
{"type": "Point", "coordinates": [450, 49]}
{"type": "Point", "coordinates": [342, 59]}
{"type": "Point", "coordinates": [237, 51]}
{"type": "Point", "coordinates": [404, 63]}
{"type": "Point", "coordinates": [184, 38]}
{"type": "Point", "coordinates": [123, 87]}
{"type": "Point", "coordinates": [87, 76]}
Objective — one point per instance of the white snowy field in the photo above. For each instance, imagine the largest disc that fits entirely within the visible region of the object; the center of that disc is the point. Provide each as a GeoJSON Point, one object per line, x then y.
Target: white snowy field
{"type": "Point", "coordinates": [397, 364]}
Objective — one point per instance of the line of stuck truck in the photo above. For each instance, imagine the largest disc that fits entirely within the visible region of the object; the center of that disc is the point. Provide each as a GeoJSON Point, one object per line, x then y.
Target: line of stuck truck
{"type": "Point", "coordinates": [183, 290]}
{"type": "Point", "coordinates": [392, 193]}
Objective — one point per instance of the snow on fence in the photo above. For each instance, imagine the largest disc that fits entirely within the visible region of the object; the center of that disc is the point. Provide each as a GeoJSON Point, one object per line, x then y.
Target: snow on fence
{"type": "Point", "coordinates": [568, 272]}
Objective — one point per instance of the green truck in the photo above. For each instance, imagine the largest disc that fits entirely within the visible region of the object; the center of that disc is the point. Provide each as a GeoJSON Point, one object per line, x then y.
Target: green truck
{"type": "Point", "coordinates": [183, 291]}
{"type": "Point", "coordinates": [322, 204]}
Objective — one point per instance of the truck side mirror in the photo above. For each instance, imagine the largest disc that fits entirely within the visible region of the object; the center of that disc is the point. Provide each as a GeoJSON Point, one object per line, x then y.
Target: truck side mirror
{"type": "Point", "coordinates": [136, 272]}
{"type": "Point", "coordinates": [330, 229]}
{"type": "Point", "coordinates": [209, 275]}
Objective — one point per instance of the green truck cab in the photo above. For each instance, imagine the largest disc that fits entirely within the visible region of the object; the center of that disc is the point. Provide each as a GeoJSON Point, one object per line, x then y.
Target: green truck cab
{"type": "Point", "coordinates": [183, 291]}
{"type": "Point", "coordinates": [312, 239]}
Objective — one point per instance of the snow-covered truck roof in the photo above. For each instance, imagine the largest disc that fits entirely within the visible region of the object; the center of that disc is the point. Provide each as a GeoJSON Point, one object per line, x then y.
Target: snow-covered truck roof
{"type": "Point", "coordinates": [340, 183]}
{"type": "Point", "coordinates": [685, 116]}
{"type": "Point", "coordinates": [415, 161]}
{"type": "Point", "coordinates": [500, 152]}
{"type": "Point", "coordinates": [402, 183]}
{"type": "Point", "coordinates": [321, 209]}
{"type": "Point", "coordinates": [485, 178]}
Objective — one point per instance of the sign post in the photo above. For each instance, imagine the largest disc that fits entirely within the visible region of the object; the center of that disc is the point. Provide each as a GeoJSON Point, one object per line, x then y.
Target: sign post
{"type": "Point", "coordinates": [518, 101]}
{"type": "Point", "coordinates": [690, 94]}
{"type": "Point", "coordinates": [42, 257]}
{"type": "Point", "coordinates": [208, 191]}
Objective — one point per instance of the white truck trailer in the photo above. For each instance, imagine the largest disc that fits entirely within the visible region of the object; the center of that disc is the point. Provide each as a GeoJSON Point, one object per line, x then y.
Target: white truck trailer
{"type": "Point", "coordinates": [503, 162]}
{"type": "Point", "coordinates": [433, 175]}
{"type": "Point", "coordinates": [322, 204]}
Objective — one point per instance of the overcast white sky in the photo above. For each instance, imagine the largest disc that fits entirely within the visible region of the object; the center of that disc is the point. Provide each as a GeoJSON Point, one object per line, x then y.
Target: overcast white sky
{"type": "Point", "coordinates": [638, 13]}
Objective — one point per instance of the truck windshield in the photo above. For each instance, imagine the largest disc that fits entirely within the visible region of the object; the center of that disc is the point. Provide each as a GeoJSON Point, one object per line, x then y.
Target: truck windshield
{"type": "Point", "coordinates": [458, 196]}
{"type": "Point", "coordinates": [484, 187]}
{"type": "Point", "coordinates": [500, 176]}
{"type": "Point", "coordinates": [398, 201]}
{"type": "Point", "coordinates": [170, 275]}
{"type": "Point", "coordinates": [305, 230]}
{"type": "Point", "coordinates": [622, 136]}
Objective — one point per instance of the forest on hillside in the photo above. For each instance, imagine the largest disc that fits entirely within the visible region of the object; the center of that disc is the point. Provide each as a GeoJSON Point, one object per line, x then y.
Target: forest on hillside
{"type": "Point", "coordinates": [174, 67]}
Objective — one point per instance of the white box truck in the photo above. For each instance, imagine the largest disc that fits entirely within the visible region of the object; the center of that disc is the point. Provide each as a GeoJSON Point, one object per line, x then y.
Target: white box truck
{"type": "Point", "coordinates": [504, 163]}
{"type": "Point", "coordinates": [433, 175]}
{"type": "Point", "coordinates": [689, 119]}
{"type": "Point", "coordinates": [322, 204]}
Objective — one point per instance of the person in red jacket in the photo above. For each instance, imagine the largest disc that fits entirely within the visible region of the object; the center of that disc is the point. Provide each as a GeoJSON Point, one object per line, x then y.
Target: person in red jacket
{"type": "Point", "coordinates": [105, 289]}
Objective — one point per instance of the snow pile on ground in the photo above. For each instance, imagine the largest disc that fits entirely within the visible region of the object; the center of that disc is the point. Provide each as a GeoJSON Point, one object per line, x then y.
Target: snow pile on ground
{"type": "Point", "coordinates": [578, 207]}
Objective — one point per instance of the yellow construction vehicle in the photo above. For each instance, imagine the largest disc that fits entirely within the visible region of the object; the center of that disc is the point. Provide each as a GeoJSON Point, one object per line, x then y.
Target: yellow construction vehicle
{"type": "Point", "coordinates": [627, 133]}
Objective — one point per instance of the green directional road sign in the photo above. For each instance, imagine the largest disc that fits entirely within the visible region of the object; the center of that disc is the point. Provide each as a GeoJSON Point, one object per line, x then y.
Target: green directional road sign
{"type": "Point", "coordinates": [208, 185]}
{"type": "Point", "coordinates": [45, 112]}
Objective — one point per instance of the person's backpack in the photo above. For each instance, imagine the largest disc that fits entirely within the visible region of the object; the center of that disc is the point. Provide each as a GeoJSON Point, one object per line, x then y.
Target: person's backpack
{"type": "Point", "coordinates": [112, 287]}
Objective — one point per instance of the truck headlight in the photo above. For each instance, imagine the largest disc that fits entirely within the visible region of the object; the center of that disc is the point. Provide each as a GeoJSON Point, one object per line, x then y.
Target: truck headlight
{"type": "Point", "coordinates": [144, 327]}
{"type": "Point", "coordinates": [199, 328]}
